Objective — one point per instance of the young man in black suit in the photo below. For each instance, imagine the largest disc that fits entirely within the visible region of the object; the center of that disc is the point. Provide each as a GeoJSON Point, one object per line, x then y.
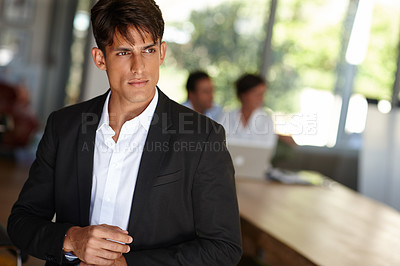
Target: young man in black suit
{"type": "Point", "coordinates": [131, 177]}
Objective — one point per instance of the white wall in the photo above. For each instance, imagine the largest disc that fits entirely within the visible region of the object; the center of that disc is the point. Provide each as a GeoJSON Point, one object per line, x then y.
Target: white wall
{"type": "Point", "coordinates": [380, 157]}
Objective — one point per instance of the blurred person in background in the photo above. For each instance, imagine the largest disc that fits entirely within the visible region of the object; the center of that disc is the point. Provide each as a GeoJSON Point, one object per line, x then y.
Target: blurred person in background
{"type": "Point", "coordinates": [18, 122]}
{"type": "Point", "coordinates": [250, 121]}
{"type": "Point", "coordinates": [200, 95]}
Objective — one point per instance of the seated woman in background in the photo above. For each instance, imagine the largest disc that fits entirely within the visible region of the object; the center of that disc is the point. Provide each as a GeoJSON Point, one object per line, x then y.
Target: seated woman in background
{"type": "Point", "coordinates": [250, 122]}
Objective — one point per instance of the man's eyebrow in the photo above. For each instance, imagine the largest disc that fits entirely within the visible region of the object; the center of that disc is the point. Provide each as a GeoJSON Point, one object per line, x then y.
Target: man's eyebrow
{"type": "Point", "coordinates": [148, 46]}
{"type": "Point", "coordinates": [123, 49]}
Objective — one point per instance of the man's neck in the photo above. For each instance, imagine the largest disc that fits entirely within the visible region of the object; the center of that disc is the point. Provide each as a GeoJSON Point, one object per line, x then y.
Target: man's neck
{"type": "Point", "coordinates": [246, 112]}
{"type": "Point", "coordinates": [120, 111]}
{"type": "Point", "coordinates": [197, 108]}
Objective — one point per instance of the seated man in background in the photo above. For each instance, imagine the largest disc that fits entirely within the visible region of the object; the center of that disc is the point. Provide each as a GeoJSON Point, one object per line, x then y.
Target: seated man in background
{"type": "Point", "coordinates": [200, 91]}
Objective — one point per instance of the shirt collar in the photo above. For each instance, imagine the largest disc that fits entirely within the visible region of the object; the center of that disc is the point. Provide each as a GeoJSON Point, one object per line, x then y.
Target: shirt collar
{"type": "Point", "coordinates": [189, 104]}
{"type": "Point", "coordinates": [104, 119]}
{"type": "Point", "coordinates": [144, 118]}
{"type": "Point", "coordinates": [147, 115]}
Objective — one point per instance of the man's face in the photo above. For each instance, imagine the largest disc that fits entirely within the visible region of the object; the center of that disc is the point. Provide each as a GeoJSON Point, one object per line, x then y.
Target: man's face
{"type": "Point", "coordinates": [132, 68]}
{"type": "Point", "coordinates": [254, 98]}
{"type": "Point", "coordinates": [202, 97]}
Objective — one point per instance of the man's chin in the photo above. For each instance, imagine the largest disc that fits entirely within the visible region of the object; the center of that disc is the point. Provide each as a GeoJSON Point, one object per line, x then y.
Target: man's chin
{"type": "Point", "coordinates": [140, 97]}
{"type": "Point", "coordinates": [136, 100]}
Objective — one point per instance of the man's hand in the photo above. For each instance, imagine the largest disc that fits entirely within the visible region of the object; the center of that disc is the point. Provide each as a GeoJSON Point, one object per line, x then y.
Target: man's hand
{"type": "Point", "coordinates": [118, 262]}
{"type": "Point", "coordinates": [98, 244]}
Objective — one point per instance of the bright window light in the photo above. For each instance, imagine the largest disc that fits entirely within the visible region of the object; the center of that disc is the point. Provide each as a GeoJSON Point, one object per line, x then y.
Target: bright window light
{"type": "Point", "coordinates": [82, 21]}
{"type": "Point", "coordinates": [356, 114]}
{"type": "Point", "coordinates": [359, 38]}
{"type": "Point", "coordinates": [384, 106]}
{"type": "Point", "coordinates": [318, 121]}
{"type": "Point", "coordinates": [6, 56]}
{"type": "Point", "coordinates": [173, 34]}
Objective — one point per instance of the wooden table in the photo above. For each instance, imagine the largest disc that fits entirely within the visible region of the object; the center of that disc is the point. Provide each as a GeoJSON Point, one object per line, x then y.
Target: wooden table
{"type": "Point", "coordinates": [316, 225]}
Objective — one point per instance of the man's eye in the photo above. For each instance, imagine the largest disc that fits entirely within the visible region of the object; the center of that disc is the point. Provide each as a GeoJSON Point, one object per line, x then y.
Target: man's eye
{"type": "Point", "coordinates": [150, 51]}
{"type": "Point", "coordinates": [122, 53]}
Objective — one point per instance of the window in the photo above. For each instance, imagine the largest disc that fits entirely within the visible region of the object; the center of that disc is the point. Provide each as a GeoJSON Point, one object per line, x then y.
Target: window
{"type": "Point", "coordinates": [306, 48]}
{"type": "Point", "coordinates": [375, 76]}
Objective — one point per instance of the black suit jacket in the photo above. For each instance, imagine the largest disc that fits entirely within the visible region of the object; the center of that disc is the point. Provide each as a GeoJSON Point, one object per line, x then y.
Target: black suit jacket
{"type": "Point", "coordinates": [184, 209]}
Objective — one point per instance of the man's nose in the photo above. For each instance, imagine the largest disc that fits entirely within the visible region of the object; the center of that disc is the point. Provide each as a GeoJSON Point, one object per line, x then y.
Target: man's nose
{"type": "Point", "coordinates": [137, 64]}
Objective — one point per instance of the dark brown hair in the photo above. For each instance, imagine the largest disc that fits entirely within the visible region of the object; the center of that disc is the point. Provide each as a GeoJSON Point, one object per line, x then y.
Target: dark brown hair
{"type": "Point", "coordinates": [109, 16]}
{"type": "Point", "coordinates": [247, 82]}
{"type": "Point", "coordinates": [193, 78]}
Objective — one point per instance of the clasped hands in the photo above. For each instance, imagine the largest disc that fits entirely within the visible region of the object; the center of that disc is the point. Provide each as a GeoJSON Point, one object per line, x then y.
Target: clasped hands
{"type": "Point", "coordinates": [98, 244]}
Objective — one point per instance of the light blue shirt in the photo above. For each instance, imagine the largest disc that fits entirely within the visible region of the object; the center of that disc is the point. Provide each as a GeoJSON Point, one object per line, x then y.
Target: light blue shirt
{"type": "Point", "coordinates": [214, 112]}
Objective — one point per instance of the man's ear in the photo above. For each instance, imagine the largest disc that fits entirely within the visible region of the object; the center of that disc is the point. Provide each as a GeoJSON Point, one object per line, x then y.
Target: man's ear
{"type": "Point", "coordinates": [163, 51]}
{"type": "Point", "coordinates": [99, 58]}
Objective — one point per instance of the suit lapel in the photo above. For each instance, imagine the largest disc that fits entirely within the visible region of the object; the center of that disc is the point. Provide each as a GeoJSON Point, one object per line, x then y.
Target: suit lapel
{"type": "Point", "coordinates": [151, 159]}
{"type": "Point", "coordinates": [85, 154]}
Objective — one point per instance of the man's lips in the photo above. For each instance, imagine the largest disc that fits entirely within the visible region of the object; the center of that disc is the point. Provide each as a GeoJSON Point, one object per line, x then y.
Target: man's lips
{"type": "Point", "coordinates": [138, 83]}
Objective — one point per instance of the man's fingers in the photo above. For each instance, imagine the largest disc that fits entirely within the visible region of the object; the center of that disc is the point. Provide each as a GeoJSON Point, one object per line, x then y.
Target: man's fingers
{"type": "Point", "coordinates": [119, 238]}
{"type": "Point", "coordinates": [101, 257]}
{"type": "Point", "coordinates": [110, 239]}
{"type": "Point", "coordinates": [114, 228]}
{"type": "Point", "coordinates": [115, 246]}
{"type": "Point", "coordinates": [112, 233]}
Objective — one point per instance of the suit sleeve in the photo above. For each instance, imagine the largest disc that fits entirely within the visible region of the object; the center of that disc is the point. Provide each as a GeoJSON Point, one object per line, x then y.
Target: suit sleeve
{"type": "Point", "coordinates": [30, 225]}
{"type": "Point", "coordinates": [216, 215]}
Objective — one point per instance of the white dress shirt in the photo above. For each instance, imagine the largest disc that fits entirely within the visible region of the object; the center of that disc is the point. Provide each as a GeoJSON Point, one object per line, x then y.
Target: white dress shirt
{"type": "Point", "coordinates": [116, 165]}
{"type": "Point", "coordinates": [259, 129]}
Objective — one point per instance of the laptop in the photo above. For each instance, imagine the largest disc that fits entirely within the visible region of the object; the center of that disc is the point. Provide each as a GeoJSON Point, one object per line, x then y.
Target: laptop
{"type": "Point", "coordinates": [250, 159]}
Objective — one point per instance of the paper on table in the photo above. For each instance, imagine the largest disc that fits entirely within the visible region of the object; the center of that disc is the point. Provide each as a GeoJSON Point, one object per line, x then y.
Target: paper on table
{"type": "Point", "coordinates": [295, 177]}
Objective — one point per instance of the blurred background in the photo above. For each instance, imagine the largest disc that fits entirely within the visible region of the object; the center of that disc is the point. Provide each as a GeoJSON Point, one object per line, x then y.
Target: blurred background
{"type": "Point", "coordinates": [332, 68]}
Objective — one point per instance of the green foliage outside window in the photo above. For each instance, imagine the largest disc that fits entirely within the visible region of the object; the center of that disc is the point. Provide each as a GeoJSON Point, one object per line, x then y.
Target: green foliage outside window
{"type": "Point", "coordinates": [375, 77]}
